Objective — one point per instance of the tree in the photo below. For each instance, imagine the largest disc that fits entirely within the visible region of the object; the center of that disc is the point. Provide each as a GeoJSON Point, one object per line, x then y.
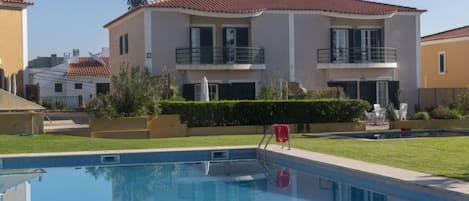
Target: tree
{"type": "Point", "coordinates": [136, 3]}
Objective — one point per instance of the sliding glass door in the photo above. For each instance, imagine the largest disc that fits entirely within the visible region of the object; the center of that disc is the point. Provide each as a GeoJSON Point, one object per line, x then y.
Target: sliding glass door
{"type": "Point", "coordinates": [340, 45]}
{"type": "Point", "coordinates": [235, 41]}
{"type": "Point", "coordinates": [202, 45]}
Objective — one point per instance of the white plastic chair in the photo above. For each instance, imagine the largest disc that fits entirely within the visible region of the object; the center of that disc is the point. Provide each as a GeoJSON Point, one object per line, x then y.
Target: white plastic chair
{"type": "Point", "coordinates": [403, 111]}
{"type": "Point", "coordinates": [379, 114]}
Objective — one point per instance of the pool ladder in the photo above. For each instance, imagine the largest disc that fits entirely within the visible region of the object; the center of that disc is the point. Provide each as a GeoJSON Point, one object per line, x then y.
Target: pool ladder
{"type": "Point", "coordinates": [269, 131]}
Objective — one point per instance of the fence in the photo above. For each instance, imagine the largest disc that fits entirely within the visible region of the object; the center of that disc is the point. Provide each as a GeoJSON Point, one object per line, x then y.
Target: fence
{"type": "Point", "coordinates": [60, 102]}
{"type": "Point", "coordinates": [429, 97]}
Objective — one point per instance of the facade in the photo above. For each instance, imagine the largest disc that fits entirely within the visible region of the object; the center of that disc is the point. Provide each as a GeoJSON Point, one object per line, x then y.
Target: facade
{"type": "Point", "coordinates": [76, 76]}
{"type": "Point", "coordinates": [445, 63]}
{"type": "Point", "coordinates": [370, 49]}
{"type": "Point", "coordinates": [13, 44]}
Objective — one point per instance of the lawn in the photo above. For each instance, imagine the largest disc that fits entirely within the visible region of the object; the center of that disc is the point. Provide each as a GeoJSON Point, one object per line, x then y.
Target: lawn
{"type": "Point", "coordinates": [438, 156]}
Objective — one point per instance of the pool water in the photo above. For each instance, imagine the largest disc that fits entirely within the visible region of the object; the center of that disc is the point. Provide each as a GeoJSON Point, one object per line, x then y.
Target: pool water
{"type": "Point", "coordinates": [248, 180]}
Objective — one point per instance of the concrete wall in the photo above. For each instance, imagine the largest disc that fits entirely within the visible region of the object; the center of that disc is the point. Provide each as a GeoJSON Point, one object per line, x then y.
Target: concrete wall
{"type": "Point", "coordinates": [401, 32]}
{"type": "Point", "coordinates": [134, 27]}
{"type": "Point", "coordinates": [457, 63]}
{"type": "Point", "coordinates": [170, 30]}
{"type": "Point", "coordinates": [21, 122]}
{"type": "Point", "coordinates": [270, 31]}
{"type": "Point", "coordinates": [312, 32]}
{"type": "Point", "coordinates": [355, 23]}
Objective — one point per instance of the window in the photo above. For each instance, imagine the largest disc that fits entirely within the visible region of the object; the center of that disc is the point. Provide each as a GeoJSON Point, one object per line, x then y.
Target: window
{"type": "Point", "coordinates": [102, 88]}
{"type": "Point", "coordinates": [442, 62]}
{"type": "Point", "coordinates": [126, 39]}
{"type": "Point", "coordinates": [58, 87]}
{"type": "Point", "coordinates": [121, 45]}
{"type": "Point", "coordinates": [78, 86]}
{"type": "Point", "coordinates": [212, 91]}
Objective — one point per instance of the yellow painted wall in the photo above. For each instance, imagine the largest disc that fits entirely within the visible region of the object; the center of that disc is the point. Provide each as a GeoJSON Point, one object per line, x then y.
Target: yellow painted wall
{"type": "Point", "coordinates": [457, 65]}
{"type": "Point", "coordinates": [11, 40]}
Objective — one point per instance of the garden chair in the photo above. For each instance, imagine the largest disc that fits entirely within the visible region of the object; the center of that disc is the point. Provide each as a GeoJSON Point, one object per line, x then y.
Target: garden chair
{"type": "Point", "coordinates": [379, 117]}
{"type": "Point", "coordinates": [403, 111]}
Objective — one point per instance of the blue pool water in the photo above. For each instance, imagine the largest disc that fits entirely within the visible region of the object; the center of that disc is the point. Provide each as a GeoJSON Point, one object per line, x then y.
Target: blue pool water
{"type": "Point", "coordinates": [246, 180]}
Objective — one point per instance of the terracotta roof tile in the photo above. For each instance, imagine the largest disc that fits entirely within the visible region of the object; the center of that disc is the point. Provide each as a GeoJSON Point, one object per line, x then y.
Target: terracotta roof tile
{"type": "Point", "coordinates": [250, 6]}
{"type": "Point", "coordinates": [246, 6]}
{"type": "Point", "coordinates": [16, 2]}
{"type": "Point", "coordinates": [89, 67]}
{"type": "Point", "coordinates": [453, 33]}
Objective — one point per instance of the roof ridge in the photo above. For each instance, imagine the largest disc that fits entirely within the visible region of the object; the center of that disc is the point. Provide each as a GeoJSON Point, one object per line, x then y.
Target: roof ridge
{"type": "Point", "coordinates": [447, 31]}
{"type": "Point", "coordinates": [387, 4]}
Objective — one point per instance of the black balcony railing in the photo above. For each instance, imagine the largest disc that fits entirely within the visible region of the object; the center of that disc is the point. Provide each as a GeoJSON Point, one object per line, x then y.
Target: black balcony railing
{"type": "Point", "coordinates": [220, 55]}
{"type": "Point", "coordinates": [357, 55]}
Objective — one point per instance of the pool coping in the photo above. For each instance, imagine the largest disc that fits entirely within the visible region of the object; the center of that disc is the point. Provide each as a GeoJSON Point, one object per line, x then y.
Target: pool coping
{"type": "Point", "coordinates": [411, 177]}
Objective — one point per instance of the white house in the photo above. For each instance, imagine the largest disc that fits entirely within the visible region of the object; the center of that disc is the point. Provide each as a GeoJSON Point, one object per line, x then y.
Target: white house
{"type": "Point", "coordinates": [77, 76]}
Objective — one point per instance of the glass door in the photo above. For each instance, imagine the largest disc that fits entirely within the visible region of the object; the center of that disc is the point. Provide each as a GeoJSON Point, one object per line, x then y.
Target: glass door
{"type": "Point", "coordinates": [235, 43]}
{"type": "Point", "coordinates": [340, 43]}
{"type": "Point", "coordinates": [201, 45]}
{"type": "Point", "coordinates": [230, 45]}
{"type": "Point", "coordinates": [370, 44]}
{"type": "Point", "coordinates": [382, 93]}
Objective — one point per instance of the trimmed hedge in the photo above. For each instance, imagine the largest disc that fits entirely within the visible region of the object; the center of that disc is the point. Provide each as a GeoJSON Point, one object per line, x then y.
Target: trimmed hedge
{"type": "Point", "coordinates": [261, 112]}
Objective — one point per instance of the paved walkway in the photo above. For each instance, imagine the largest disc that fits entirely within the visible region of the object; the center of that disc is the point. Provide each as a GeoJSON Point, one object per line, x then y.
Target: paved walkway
{"type": "Point", "coordinates": [421, 179]}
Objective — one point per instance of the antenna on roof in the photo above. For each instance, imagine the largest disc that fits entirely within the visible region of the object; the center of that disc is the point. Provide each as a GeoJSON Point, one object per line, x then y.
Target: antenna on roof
{"type": "Point", "coordinates": [96, 58]}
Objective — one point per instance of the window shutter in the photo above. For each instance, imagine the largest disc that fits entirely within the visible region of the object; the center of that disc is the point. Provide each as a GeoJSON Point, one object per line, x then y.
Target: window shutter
{"type": "Point", "coordinates": [225, 92]}
{"type": "Point", "coordinates": [188, 91]}
{"type": "Point", "coordinates": [368, 91]}
{"type": "Point", "coordinates": [393, 90]}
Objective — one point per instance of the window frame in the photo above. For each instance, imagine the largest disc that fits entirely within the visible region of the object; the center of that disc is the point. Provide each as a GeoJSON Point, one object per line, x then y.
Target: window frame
{"type": "Point", "coordinates": [58, 87]}
{"type": "Point", "coordinates": [126, 43]}
{"type": "Point", "coordinates": [78, 84]}
{"type": "Point", "coordinates": [442, 53]}
{"type": "Point", "coordinates": [213, 91]}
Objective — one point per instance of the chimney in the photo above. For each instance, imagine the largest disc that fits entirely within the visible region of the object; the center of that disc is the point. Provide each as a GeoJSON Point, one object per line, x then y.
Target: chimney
{"type": "Point", "coordinates": [76, 53]}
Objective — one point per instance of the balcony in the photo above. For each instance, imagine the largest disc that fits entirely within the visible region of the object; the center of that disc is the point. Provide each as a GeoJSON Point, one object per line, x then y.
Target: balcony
{"type": "Point", "coordinates": [220, 58]}
{"type": "Point", "coordinates": [357, 58]}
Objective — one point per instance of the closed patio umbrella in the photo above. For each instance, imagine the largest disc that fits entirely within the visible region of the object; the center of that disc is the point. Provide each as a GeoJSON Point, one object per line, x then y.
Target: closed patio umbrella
{"type": "Point", "coordinates": [204, 92]}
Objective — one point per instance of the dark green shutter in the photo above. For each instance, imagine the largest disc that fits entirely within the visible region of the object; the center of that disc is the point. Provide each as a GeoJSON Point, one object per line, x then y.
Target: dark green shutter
{"type": "Point", "coordinates": [242, 38]}
{"type": "Point", "coordinates": [224, 92]}
{"type": "Point", "coordinates": [349, 87]}
{"type": "Point", "coordinates": [368, 91]}
{"type": "Point", "coordinates": [244, 91]}
{"type": "Point", "coordinates": [393, 89]}
{"type": "Point", "coordinates": [188, 91]}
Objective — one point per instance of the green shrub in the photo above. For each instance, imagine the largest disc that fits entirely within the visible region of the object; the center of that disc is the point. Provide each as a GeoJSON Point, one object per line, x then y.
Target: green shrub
{"type": "Point", "coordinates": [443, 112]}
{"type": "Point", "coordinates": [268, 93]}
{"type": "Point", "coordinates": [60, 104]}
{"type": "Point", "coordinates": [47, 103]}
{"type": "Point", "coordinates": [226, 113]}
{"type": "Point", "coordinates": [135, 95]}
{"type": "Point", "coordinates": [462, 103]}
{"type": "Point", "coordinates": [390, 114]}
{"type": "Point", "coordinates": [421, 116]}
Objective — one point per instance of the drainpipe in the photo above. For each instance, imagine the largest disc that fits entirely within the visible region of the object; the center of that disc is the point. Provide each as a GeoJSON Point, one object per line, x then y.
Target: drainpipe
{"type": "Point", "coordinates": [13, 83]}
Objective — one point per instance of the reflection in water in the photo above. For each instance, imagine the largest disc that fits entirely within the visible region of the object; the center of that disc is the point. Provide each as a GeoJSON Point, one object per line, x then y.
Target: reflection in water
{"type": "Point", "coordinates": [14, 184]}
{"type": "Point", "coordinates": [206, 181]}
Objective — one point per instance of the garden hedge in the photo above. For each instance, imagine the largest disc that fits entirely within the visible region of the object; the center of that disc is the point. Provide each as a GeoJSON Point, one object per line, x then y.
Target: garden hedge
{"type": "Point", "coordinates": [261, 112]}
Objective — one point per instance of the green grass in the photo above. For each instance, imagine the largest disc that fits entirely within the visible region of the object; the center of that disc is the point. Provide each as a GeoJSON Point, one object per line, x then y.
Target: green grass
{"type": "Point", "coordinates": [438, 156]}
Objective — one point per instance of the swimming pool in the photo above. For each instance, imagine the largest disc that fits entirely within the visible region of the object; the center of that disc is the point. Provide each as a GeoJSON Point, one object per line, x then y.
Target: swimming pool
{"type": "Point", "coordinates": [243, 179]}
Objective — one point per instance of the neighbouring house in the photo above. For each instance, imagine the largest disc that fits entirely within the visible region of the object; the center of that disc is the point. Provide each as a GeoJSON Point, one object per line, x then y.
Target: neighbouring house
{"type": "Point", "coordinates": [76, 76]}
{"type": "Point", "coordinates": [370, 49]}
{"type": "Point", "coordinates": [445, 62]}
{"type": "Point", "coordinates": [13, 44]}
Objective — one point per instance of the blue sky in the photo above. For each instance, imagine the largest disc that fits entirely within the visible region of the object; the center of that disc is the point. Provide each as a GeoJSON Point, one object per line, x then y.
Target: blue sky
{"type": "Point", "coordinates": [58, 26]}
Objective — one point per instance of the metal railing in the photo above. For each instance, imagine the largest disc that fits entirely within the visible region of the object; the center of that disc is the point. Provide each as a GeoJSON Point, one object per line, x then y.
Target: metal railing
{"type": "Point", "coordinates": [60, 102]}
{"type": "Point", "coordinates": [357, 55]}
{"type": "Point", "coordinates": [220, 55]}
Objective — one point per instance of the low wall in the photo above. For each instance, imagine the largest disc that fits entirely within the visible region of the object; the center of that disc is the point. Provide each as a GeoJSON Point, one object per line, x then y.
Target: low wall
{"type": "Point", "coordinates": [328, 127]}
{"type": "Point", "coordinates": [21, 123]}
{"type": "Point", "coordinates": [170, 126]}
{"type": "Point", "coordinates": [225, 130]}
{"type": "Point", "coordinates": [429, 124]}
{"type": "Point", "coordinates": [125, 127]}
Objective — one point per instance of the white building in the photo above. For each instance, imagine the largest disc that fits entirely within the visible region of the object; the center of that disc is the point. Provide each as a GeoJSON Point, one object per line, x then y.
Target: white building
{"type": "Point", "coordinates": [77, 76]}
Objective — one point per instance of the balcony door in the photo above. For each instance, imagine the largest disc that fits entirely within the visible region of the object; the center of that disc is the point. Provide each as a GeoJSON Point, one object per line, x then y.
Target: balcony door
{"type": "Point", "coordinates": [340, 45]}
{"type": "Point", "coordinates": [370, 43]}
{"type": "Point", "coordinates": [202, 45]}
{"type": "Point", "coordinates": [233, 40]}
